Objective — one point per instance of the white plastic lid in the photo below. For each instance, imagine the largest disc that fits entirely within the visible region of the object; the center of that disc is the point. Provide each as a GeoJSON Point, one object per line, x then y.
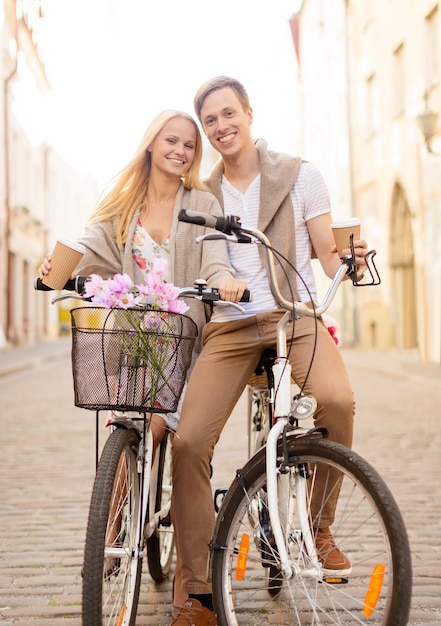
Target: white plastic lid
{"type": "Point", "coordinates": [75, 245]}
{"type": "Point", "coordinates": [349, 221]}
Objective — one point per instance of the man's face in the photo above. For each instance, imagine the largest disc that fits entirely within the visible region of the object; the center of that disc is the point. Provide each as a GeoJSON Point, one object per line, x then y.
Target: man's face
{"type": "Point", "coordinates": [224, 121]}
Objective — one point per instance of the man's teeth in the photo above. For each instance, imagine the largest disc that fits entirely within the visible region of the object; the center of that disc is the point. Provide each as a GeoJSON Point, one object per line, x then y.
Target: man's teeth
{"type": "Point", "coordinates": [226, 138]}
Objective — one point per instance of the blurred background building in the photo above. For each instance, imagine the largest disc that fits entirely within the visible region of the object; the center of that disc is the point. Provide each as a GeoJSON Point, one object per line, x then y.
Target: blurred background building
{"type": "Point", "coordinates": [42, 197]}
{"type": "Point", "coordinates": [370, 81]}
{"type": "Point", "coordinates": [369, 88]}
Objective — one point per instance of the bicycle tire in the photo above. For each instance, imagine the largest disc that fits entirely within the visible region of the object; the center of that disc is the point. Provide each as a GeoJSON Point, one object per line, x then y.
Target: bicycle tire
{"type": "Point", "coordinates": [160, 543]}
{"type": "Point", "coordinates": [112, 566]}
{"type": "Point", "coordinates": [368, 527]}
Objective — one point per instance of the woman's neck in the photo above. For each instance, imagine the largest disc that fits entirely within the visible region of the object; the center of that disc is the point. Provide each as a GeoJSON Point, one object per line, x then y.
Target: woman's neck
{"type": "Point", "coordinates": [156, 214]}
{"type": "Point", "coordinates": [162, 192]}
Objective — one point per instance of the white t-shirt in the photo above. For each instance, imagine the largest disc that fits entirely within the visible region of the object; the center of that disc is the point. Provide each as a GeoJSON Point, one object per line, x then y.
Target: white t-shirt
{"type": "Point", "coordinates": [310, 198]}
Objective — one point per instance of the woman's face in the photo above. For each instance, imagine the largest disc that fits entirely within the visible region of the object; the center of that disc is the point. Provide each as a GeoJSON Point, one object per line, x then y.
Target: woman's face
{"type": "Point", "coordinates": [174, 147]}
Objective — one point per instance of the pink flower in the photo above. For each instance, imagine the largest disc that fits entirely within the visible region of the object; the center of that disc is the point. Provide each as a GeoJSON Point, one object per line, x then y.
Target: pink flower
{"type": "Point", "coordinates": [334, 329]}
{"type": "Point", "coordinates": [119, 291]}
{"type": "Point", "coordinates": [93, 285]}
{"type": "Point", "coordinates": [120, 283]}
{"type": "Point", "coordinates": [178, 306]}
{"type": "Point", "coordinates": [160, 266]}
{"type": "Point", "coordinates": [152, 321]}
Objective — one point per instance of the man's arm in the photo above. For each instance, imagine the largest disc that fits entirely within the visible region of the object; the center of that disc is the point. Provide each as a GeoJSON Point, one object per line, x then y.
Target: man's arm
{"type": "Point", "coordinates": [322, 240]}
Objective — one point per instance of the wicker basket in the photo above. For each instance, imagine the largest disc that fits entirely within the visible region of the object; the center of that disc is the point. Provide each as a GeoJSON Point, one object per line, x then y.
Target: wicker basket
{"type": "Point", "coordinates": [130, 359]}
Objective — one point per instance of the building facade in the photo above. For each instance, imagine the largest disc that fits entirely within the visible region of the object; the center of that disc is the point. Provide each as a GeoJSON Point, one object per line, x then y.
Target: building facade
{"type": "Point", "coordinates": [42, 196]}
{"type": "Point", "coordinates": [370, 80]}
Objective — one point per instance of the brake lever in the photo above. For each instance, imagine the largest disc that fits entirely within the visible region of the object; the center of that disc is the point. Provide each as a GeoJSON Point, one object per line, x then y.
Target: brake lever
{"type": "Point", "coordinates": [236, 238]}
{"type": "Point", "coordinates": [66, 296]}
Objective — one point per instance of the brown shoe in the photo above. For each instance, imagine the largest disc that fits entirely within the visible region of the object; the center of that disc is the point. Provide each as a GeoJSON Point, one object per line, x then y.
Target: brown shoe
{"type": "Point", "coordinates": [330, 556]}
{"type": "Point", "coordinates": [194, 614]}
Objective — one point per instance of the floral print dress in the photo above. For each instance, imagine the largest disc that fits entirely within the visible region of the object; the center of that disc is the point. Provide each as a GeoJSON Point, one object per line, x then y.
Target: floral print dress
{"type": "Point", "coordinates": [144, 251]}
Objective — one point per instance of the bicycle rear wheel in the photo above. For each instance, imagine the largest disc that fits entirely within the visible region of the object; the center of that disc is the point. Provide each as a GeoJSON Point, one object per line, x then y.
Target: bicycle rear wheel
{"type": "Point", "coordinates": [248, 585]}
{"type": "Point", "coordinates": [112, 565]}
{"type": "Point", "coordinates": [160, 542]}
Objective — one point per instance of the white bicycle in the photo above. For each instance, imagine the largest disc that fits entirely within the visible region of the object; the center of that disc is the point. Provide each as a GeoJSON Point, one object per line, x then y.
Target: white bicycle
{"type": "Point", "coordinates": [115, 368]}
{"type": "Point", "coordinates": [265, 566]}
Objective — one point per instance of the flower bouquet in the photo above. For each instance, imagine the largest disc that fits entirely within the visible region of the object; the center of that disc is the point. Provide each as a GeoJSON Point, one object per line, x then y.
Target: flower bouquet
{"type": "Point", "coordinates": [132, 351]}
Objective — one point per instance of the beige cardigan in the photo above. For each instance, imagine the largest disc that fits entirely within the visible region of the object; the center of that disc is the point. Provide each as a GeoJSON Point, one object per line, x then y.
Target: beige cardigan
{"type": "Point", "coordinates": [276, 216]}
{"type": "Point", "coordinates": [188, 259]}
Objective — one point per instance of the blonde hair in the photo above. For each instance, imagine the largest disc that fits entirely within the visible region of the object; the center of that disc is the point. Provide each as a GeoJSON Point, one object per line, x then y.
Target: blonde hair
{"type": "Point", "coordinates": [131, 184]}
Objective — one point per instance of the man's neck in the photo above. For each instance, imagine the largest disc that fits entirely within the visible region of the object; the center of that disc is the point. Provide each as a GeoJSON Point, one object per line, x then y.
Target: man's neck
{"type": "Point", "coordinates": [240, 170]}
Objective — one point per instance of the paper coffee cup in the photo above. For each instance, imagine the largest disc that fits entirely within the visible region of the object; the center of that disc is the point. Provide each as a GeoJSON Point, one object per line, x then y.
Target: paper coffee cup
{"type": "Point", "coordinates": [342, 230]}
{"type": "Point", "coordinates": [65, 257]}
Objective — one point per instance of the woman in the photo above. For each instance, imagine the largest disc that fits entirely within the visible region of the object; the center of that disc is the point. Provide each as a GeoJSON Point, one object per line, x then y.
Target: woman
{"type": "Point", "coordinates": [136, 222]}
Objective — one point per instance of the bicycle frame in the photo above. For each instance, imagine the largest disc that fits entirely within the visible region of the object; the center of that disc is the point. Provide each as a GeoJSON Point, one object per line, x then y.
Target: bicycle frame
{"type": "Point", "coordinates": [269, 553]}
{"type": "Point", "coordinates": [235, 232]}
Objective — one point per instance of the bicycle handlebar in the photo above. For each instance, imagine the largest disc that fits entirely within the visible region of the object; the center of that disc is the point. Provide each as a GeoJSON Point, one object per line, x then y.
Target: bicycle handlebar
{"type": "Point", "coordinates": [200, 291]}
{"type": "Point", "coordinates": [73, 284]}
{"type": "Point", "coordinates": [233, 230]}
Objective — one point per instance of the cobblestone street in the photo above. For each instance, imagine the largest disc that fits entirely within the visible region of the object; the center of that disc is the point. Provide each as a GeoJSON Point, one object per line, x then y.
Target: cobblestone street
{"type": "Point", "coordinates": [48, 459]}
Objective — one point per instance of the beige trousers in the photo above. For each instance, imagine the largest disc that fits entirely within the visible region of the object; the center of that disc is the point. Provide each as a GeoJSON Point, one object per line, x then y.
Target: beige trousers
{"type": "Point", "coordinates": [230, 353]}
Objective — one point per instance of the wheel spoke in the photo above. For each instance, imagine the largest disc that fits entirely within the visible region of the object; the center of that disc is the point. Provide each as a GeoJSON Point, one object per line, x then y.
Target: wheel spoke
{"type": "Point", "coordinates": [367, 528]}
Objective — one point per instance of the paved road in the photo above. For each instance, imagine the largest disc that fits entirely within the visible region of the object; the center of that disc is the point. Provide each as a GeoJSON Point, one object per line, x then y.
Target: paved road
{"type": "Point", "coordinates": [47, 467]}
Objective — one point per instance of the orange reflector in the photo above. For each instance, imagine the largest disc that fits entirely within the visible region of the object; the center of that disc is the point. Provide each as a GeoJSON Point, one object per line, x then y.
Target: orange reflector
{"type": "Point", "coordinates": [242, 556]}
{"type": "Point", "coordinates": [374, 590]}
{"type": "Point", "coordinates": [120, 618]}
{"type": "Point", "coordinates": [335, 581]}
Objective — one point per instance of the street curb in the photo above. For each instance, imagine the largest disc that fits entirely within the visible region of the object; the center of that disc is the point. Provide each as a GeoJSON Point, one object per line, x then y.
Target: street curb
{"type": "Point", "coordinates": [21, 359]}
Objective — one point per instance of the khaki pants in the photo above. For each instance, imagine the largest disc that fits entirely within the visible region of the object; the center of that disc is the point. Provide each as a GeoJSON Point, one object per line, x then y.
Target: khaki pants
{"type": "Point", "coordinates": [230, 354]}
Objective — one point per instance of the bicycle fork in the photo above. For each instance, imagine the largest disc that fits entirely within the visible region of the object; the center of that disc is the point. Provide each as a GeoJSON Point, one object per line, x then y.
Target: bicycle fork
{"type": "Point", "coordinates": [145, 456]}
{"type": "Point", "coordinates": [283, 409]}
{"type": "Point", "coordinates": [275, 495]}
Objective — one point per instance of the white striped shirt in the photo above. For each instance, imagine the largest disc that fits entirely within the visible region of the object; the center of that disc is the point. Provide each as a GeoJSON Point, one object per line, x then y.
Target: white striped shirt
{"type": "Point", "coordinates": [310, 198]}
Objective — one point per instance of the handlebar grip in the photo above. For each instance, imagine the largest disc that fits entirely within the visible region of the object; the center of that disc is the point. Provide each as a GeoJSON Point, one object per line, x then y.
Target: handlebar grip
{"type": "Point", "coordinates": [213, 296]}
{"type": "Point", "coordinates": [73, 284]}
{"type": "Point", "coordinates": [228, 224]}
{"type": "Point", "coordinates": [246, 296]}
{"type": "Point", "coordinates": [40, 286]}
{"type": "Point", "coordinates": [200, 219]}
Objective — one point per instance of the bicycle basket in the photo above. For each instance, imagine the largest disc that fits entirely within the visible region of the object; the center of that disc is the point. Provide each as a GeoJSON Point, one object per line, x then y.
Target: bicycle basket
{"type": "Point", "coordinates": [130, 359]}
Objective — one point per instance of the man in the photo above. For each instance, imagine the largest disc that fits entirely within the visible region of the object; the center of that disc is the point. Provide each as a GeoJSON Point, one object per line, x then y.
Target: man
{"type": "Point", "coordinates": [288, 200]}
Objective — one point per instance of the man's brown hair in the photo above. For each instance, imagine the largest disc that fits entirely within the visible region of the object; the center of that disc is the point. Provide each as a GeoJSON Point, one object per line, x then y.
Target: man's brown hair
{"type": "Point", "coordinates": [219, 82]}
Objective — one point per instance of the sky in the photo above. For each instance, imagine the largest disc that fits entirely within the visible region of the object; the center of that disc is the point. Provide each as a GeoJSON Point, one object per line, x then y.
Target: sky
{"type": "Point", "coordinates": [114, 64]}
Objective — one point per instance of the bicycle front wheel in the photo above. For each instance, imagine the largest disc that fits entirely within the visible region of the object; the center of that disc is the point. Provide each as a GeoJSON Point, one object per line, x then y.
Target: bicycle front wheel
{"type": "Point", "coordinates": [112, 563]}
{"type": "Point", "coordinates": [248, 584]}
